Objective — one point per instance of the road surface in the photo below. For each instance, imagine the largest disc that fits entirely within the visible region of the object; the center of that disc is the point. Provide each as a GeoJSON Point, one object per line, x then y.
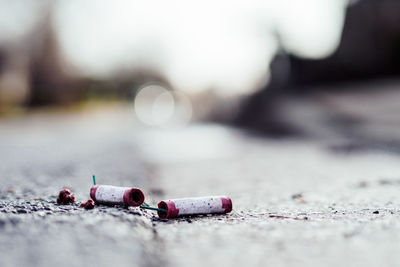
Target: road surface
{"type": "Point", "coordinates": [301, 201]}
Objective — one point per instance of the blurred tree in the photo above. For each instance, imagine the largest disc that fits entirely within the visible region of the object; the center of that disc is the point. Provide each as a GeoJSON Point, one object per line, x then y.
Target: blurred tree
{"type": "Point", "coordinates": [49, 83]}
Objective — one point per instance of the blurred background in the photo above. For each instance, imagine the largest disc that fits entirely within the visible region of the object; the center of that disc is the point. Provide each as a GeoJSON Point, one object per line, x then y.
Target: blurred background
{"type": "Point", "coordinates": [277, 67]}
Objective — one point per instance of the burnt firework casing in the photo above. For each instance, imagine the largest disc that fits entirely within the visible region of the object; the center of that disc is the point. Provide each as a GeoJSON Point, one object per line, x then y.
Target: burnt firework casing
{"type": "Point", "coordinates": [116, 195]}
{"type": "Point", "coordinates": [194, 206]}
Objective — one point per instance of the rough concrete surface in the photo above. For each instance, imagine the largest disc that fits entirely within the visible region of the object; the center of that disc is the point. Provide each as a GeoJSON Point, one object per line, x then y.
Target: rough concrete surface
{"type": "Point", "coordinates": [295, 201]}
{"type": "Point", "coordinates": [43, 153]}
{"type": "Point", "coordinates": [294, 204]}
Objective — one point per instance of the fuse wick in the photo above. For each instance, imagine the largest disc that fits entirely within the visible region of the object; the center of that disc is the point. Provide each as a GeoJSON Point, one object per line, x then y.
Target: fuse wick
{"type": "Point", "coordinates": [146, 206]}
{"type": "Point", "coordinates": [94, 180]}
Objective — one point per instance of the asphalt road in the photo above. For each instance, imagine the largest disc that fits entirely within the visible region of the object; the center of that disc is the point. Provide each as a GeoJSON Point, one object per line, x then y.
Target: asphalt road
{"type": "Point", "coordinates": [296, 201]}
{"type": "Point", "coordinates": [43, 153]}
{"type": "Point", "coordinates": [295, 204]}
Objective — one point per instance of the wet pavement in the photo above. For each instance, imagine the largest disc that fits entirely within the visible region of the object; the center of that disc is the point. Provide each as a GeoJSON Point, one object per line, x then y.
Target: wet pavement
{"type": "Point", "coordinates": [295, 201]}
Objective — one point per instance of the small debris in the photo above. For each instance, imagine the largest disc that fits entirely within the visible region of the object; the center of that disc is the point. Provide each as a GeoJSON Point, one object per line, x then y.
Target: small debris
{"type": "Point", "coordinates": [349, 235]}
{"type": "Point", "coordinates": [389, 181]}
{"type": "Point", "coordinates": [305, 218]}
{"type": "Point", "coordinates": [279, 217]}
{"type": "Point", "coordinates": [363, 184]}
{"type": "Point", "coordinates": [88, 204]}
{"type": "Point", "coordinates": [376, 212]}
{"type": "Point", "coordinates": [297, 196]}
{"type": "Point", "coordinates": [384, 181]}
{"type": "Point", "coordinates": [65, 197]}
{"type": "Point", "coordinates": [302, 200]}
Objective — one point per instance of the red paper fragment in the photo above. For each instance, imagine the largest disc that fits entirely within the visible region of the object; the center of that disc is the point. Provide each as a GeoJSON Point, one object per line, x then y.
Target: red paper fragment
{"type": "Point", "coordinates": [65, 197]}
{"type": "Point", "coordinates": [88, 205]}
